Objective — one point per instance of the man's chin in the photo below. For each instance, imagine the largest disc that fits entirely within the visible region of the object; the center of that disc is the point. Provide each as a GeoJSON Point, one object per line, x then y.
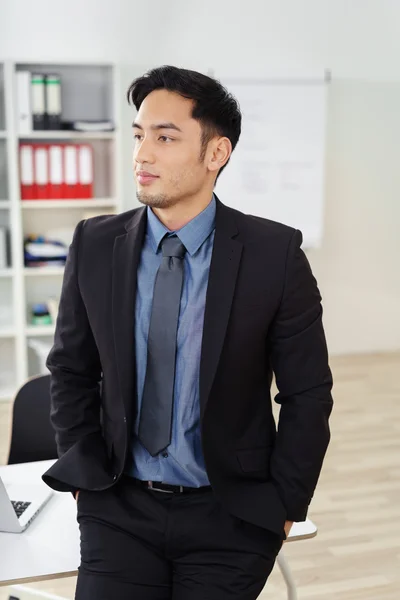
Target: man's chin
{"type": "Point", "coordinates": [155, 200]}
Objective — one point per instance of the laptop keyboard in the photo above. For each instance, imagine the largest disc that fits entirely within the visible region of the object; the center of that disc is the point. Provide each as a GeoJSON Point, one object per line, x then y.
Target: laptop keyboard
{"type": "Point", "coordinates": [19, 507]}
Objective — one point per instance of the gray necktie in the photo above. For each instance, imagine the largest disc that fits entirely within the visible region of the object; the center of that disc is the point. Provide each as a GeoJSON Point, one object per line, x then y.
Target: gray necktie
{"type": "Point", "coordinates": [156, 411]}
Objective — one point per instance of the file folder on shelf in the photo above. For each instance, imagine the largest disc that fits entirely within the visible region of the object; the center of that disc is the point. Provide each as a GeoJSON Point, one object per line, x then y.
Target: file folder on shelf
{"type": "Point", "coordinates": [24, 107]}
{"type": "Point", "coordinates": [85, 186]}
{"type": "Point", "coordinates": [41, 172]}
{"type": "Point", "coordinates": [26, 172]}
{"type": "Point", "coordinates": [38, 101]}
{"type": "Point", "coordinates": [70, 162]}
{"type": "Point", "coordinates": [53, 101]}
{"type": "Point", "coordinates": [56, 176]}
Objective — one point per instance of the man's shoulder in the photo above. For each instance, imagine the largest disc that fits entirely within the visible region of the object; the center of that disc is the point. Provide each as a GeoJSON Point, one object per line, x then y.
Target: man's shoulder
{"type": "Point", "coordinates": [110, 225]}
{"type": "Point", "coordinates": [256, 228]}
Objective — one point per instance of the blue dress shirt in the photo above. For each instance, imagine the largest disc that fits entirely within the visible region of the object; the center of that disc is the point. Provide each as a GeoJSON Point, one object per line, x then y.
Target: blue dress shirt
{"type": "Point", "coordinates": [182, 463]}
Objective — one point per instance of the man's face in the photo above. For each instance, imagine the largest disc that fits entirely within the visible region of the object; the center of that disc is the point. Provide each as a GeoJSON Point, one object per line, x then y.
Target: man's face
{"type": "Point", "coordinates": [167, 153]}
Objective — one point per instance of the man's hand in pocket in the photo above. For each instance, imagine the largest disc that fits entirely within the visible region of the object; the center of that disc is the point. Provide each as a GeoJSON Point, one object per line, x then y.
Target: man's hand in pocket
{"type": "Point", "coordinates": [288, 527]}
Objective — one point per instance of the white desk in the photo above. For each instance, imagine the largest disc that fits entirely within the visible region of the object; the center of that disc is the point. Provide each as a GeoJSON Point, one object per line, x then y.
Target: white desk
{"type": "Point", "coordinates": [49, 547]}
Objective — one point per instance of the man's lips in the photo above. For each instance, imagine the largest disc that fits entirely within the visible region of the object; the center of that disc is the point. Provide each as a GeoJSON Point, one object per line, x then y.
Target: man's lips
{"type": "Point", "coordinates": [144, 177]}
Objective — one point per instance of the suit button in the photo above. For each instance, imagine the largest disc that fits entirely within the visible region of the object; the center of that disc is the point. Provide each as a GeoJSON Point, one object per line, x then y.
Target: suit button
{"type": "Point", "coordinates": [115, 477]}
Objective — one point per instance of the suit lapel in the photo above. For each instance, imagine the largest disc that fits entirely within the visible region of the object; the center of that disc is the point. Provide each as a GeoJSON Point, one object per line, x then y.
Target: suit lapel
{"type": "Point", "coordinates": [126, 256]}
{"type": "Point", "coordinates": [224, 268]}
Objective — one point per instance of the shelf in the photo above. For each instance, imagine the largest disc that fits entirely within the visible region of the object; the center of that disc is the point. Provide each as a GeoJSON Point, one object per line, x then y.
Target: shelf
{"type": "Point", "coordinates": [40, 271]}
{"type": "Point", "coordinates": [9, 272]}
{"type": "Point", "coordinates": [86, 203]}
{"type": "Point", "coordinates": [7, 332]}
{"type": "Point", "coordinates": [23, 286]}
{"type": "Point", "coordinates": [68, 135]}
{"type": "Point", "coordinates": [40, 330]}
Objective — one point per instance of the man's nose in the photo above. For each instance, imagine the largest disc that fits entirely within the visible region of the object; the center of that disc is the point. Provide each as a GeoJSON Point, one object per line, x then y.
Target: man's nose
{"type": "Point", "coordinates": [143, 152]}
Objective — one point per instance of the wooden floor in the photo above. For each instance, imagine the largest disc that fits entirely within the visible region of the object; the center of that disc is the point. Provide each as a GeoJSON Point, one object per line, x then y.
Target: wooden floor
{"type": "Point", "coordinates": [356, 555]}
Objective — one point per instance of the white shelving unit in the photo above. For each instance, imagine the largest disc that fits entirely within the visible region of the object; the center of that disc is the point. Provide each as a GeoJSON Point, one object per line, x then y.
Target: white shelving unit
{"type": "Point", "coordinates": [68, 135]}
{"type": "Point", "coordinates": [37, 330]}
{"type": "Point", "coordinates": [89, 91]}
{"type": "Point", "coordinates": [43, 271]}
{"type": "Point", "coordinates": [7, 332]}
{"type": "Point", "coordinates": [60, 204]}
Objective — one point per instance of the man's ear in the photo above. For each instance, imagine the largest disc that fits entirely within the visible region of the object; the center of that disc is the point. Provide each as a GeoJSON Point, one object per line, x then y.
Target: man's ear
{"type": "Point", "coordinates": [219, 153]}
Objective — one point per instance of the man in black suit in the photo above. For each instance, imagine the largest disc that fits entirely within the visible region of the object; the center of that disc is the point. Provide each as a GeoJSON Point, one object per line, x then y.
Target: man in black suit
{"type": "Point", "coordinates": [173, 318]}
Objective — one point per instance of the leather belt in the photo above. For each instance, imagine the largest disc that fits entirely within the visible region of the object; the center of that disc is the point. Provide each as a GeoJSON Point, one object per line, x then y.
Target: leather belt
{"type": "Point", "coordinates": [158, 486]}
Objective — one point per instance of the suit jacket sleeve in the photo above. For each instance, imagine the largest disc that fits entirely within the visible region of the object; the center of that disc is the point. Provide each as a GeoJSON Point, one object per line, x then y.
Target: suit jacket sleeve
{"type": "Point", "coordinates": [74, 362]}
{"type": "Point", "coordinates": [300, 362]}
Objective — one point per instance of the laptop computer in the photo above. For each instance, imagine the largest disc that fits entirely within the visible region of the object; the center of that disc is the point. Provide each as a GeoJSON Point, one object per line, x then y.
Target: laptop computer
{"type": "Point", "coordinates": [19, 505]}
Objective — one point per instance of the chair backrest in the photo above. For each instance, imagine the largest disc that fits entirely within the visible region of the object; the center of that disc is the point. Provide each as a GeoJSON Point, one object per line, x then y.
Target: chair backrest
{"type": "Point", "coordinates": [32, 436]}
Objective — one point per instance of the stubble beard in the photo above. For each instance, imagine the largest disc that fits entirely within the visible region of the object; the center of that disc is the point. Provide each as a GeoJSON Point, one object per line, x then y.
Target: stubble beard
{"type": "Point", "coordinates": [155, 200]}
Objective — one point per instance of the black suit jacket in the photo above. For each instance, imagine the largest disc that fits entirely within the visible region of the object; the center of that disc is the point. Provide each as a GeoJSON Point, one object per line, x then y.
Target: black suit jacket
{"type": "Point", "coordinates": [262, 315]}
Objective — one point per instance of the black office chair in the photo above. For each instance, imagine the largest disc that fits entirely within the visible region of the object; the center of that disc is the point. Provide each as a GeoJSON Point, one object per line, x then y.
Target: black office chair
{"type": "Point", "coordinates": [32, 436]}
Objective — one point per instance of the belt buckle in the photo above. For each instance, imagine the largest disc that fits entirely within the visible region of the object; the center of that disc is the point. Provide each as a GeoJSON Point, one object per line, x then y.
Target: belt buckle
{"type": "Point", "coordinates": [150, 485]}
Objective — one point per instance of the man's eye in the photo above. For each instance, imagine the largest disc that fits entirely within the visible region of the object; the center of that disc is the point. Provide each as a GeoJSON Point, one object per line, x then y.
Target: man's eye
{"type": "Point", "coordinates": [137, 136]}
{"type": "Point", "coordinates": [165, 138]}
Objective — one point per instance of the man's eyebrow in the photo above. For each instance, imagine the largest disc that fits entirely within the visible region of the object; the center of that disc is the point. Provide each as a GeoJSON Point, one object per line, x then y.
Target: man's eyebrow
{"type": "Point", "coordinates": [158, 126]}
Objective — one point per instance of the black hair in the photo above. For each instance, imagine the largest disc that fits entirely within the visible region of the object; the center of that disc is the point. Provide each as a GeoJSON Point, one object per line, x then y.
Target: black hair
{"type": "Point", "coordinates": [217, 110]}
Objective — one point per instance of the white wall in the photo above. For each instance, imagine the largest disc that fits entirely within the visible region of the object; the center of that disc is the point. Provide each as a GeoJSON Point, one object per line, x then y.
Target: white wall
{"type": "Point", "coordinates": [357, 38]}
{"type": "Point", "coordinates": [78, 29]}
{"type": "Point", "coordinates": [357, 266]}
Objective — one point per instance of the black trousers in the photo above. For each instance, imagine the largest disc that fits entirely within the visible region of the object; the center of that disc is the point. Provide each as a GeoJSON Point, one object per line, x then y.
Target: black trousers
{"type": "Point", "coordinates": [139, 544]}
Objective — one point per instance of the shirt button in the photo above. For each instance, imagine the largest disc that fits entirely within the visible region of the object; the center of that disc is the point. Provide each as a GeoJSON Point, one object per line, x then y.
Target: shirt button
{"type": "Point", "coordinates": [165, 454]}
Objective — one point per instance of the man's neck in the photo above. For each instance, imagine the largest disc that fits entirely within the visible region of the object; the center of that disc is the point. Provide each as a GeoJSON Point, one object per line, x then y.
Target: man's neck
{"type": "Point", "coordinates": [177, 216]}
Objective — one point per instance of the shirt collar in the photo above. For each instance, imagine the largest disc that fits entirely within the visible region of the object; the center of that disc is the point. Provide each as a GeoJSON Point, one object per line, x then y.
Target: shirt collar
{"type": "Point", "coordinates": [192, 235]}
